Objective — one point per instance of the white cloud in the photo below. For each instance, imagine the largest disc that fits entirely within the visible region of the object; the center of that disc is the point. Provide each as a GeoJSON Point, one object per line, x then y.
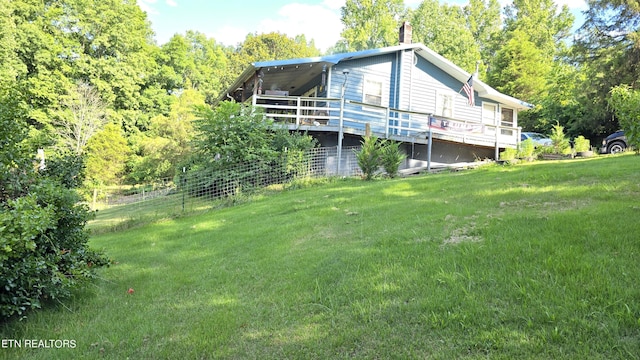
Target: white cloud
{"type": "Point", "coordinates": [147, 6]}
{"type": "Point", "coordinates": [318, 22]}
{"type": "Point", "coordinates": [172, 3]}
{"type": "Point", "coordinates": [230, 35]}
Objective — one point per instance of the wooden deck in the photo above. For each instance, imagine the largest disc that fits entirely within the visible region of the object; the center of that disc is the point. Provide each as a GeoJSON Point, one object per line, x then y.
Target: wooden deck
{"type": "Point", "coordinates": [332, 115]}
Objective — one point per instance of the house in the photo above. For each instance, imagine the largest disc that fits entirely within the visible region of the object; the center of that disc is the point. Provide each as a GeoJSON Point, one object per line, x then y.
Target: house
{"type": "Point", "coordinates": [406, 93]}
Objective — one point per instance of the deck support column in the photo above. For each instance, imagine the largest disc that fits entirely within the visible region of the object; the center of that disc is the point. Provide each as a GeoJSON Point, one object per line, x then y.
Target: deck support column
{"type": "Point", "coordinates": [429, 144]}
{"type": "Point", "coordinates": [340, 133]}
{"type": "Point", "coordinates": [497, 153]}
{"type": "Point", "coordinates": [345, 72]}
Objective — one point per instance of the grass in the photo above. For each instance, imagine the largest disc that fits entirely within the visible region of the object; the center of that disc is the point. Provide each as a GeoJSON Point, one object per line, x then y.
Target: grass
{"type": "Point", "coordinates": [529, 261]}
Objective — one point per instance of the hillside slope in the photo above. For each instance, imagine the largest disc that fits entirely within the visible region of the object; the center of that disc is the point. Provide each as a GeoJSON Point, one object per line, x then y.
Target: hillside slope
{"type": "Point", "coordinates": [531, 261]}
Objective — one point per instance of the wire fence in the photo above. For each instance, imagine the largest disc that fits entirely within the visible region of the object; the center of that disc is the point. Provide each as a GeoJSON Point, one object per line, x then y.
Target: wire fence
{"type": "Point", "coordinates": [206, 189]}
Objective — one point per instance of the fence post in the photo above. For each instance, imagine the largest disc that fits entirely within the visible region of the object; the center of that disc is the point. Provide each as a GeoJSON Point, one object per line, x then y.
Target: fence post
{"type": "Point", "coordinates": [184, 185]}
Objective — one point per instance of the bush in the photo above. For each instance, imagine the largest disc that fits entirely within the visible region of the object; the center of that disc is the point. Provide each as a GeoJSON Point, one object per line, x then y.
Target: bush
{"type": "Point", "coordinates": [582, 144]}
{"type": "Point", "coordinates": [391, 157]}
{"type": "Point", "coordinates": [527, 149]}
{"type": "Point", "coordinates": [508, 154]}
{"type": "Point", "coordinates": [375, 154]}
{"type": "Point", "coordinates": [238, 149]}
{"type": "Point", "coordinates": [369, 156]}
{"type": "Point", "coordinates": [43, 240]}
{"type": "Point", "coordinates": [625, 102]}
{"type": "Point", "coordinates": [43, 245]}
{"type": "Point", "coordinates": [559, 141]}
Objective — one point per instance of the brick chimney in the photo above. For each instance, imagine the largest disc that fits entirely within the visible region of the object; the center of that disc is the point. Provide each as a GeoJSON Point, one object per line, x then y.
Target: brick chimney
{"type": "Point", "coordinates": [405, 33]}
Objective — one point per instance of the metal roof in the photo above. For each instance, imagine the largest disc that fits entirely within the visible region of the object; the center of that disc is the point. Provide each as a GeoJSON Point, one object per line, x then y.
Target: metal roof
{"type": "Point", "coordinates": [304, 69]}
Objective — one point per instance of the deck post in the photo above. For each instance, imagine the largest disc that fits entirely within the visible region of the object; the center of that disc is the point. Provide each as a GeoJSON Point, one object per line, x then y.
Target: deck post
{"type": "Point", "coordinates": [340, 134]}
{"type": "Point", "coordinates": [429, 144]}
{"type": "Point", "coordinates": [497, 154]}
{"type": "Point", "coordinates": [386, 127]}
{"type": "Point", "coordinates": [298, 112]}
{"type": "Point", "coordinates": [345, 72]}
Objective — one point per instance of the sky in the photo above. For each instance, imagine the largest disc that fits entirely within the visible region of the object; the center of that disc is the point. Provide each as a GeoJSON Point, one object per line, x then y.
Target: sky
{"type": "Point", "coordinates": [229, 21]}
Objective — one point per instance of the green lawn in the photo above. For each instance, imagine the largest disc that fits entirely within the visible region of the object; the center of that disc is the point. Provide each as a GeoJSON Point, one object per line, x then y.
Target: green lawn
{"type": "Point", "coordinates": [534, 261]}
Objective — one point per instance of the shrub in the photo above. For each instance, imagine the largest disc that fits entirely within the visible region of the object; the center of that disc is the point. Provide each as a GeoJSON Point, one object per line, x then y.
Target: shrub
{"type": "Point", "coordinates": [626, 102]}
{"type": "Point", "coordinates": [391, 157]}
{"type": "Point", "coordinates": [559, 141]}
{"type": "Point", "coordinates": [527, 149]}
{"type": "Point", "coordinates": [43, 244]}
{"type": "Point", "coordinates": [43, 240]}
{"type": "Point", "coordinates": [582, 144]}
{"type": "Point", "coordinates": [237, 148]}
{"type": "Point", "coordinates": [369, 156]}
{"type": "Point", "coordinates": [508, 154]}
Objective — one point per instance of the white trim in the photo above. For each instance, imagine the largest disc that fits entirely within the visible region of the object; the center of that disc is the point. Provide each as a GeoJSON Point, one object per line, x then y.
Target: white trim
{"type": "Point", "coordinates": [384, 91]}
{"type": "Point", "coordinates": [442, 94]}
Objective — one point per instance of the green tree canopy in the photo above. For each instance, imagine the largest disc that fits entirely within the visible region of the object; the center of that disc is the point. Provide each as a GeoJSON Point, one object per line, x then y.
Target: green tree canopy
{"type": "Point", "coordinates": [626, 104]}
{"type": "Point", "coordinates": [106, 155]}
{"type": "Point", "coordinates": [194, 61]}
{"type": "Point", "coordinates": [167, 144]}
{"type": "Point", "coordinates": [370, 24]}
{"type": "Point", "coordinates": [607, 50]}
{"type": "Point", "coordinates": [443, 28]}
{"type": "Point", "coordinates": [484, 22]}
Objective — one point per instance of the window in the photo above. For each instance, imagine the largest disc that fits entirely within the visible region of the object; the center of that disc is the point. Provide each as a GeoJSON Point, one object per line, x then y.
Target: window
{"type": "Point", "coordinates": [372, 92]}
{"type": "Point", "coordinates": [444, 104]}
{"type": "Point", "coordinates": [489, 114]}
{"type": "Point", "coordinates": [507, 121]}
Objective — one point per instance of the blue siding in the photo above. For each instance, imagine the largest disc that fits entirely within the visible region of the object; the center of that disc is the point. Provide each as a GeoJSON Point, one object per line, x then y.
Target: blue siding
{"type": "Point", "coordinates": [377, 66]}
{"type": "Point", "coordinates": [409, 83]}
{"type": "Point", "coordinates": [429, 80]}
{"type": "Point", "coordinates": [380, 68]}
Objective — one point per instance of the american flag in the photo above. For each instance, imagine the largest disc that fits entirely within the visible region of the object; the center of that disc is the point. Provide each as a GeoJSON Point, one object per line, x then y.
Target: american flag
{"type": "Point", "coordinates": [468, 89]}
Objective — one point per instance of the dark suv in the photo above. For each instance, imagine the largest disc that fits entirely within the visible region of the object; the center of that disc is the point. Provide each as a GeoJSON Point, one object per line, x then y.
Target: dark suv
{"type": "Point", "coordinates": [614, 143]}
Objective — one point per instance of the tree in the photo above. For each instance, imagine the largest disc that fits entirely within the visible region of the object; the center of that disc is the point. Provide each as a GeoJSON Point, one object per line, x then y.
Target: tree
{"type": "Point", "coordinates": [613, 25]}
{"type": "Point", "coordinates": [626, 103]}
{"type": "Point", "coordinates": [545, 26]}
{"type": "Point", "coordinates": [106, 155]}
{"type": "Point", "coordinates": [8, 45]}
{"type": "Point", "coordinates": [484, 22]}
{"type": "Point", "coordinates": [43, 54]}
{"type": "Point", "coordinates": [232, 133]}
{"type": "Point", "coordinates": [264, 47]}
{"type": "Point", "coordinates": [84, 115]}
{"type": "Point", "coordinates": [443, 28]}
{"type": "Point", "coordinates": [607, 50]}
{"type": "Point", "coordinates": [43, 240]}
{"type": "Point", "coordinates": [371, 24]}
{"type": "Point", "coordinates": [532, 41]}
{"type": "Point", "coordinates": [522, 66]}
{"type": "Point", "coordinates": [168, 143]}
{"type": "Point", "coordinates": [106, 44]}
{"type": "Point", "coordinates": [195, 62]}
{"type": "Point", "coordinates": [272, 46]}
{"type": "Point", "coordinates": [562, 104]}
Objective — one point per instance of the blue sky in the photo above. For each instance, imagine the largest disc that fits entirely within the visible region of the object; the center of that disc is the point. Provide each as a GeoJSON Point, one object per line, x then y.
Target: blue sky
{"type": "Point", "coordinates": [229, 21]}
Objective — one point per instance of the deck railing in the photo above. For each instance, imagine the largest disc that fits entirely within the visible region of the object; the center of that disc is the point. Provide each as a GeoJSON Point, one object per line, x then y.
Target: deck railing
{"type": "Point", "coordinates": [386, 122]}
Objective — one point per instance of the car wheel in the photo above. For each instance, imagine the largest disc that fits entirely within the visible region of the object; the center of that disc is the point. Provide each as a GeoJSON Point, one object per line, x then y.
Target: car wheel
{"type": "Point", "coordinates": [616, 147]}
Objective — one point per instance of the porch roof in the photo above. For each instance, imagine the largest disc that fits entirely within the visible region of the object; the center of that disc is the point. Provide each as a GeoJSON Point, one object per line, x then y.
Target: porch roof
{"type": "Point", "coordinates": [297, 72]}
